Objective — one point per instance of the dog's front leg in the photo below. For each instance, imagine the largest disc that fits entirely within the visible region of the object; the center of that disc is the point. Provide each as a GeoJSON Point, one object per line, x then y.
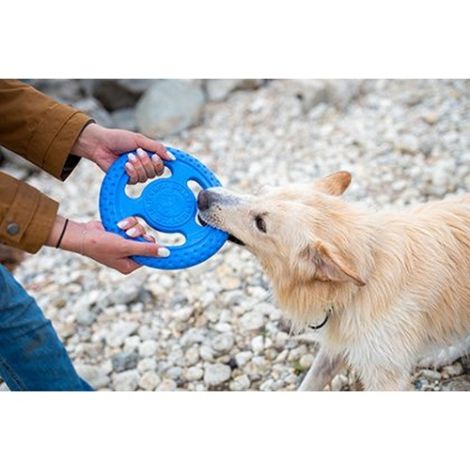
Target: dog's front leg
{"type": "Point", "coordinates": [321, 372]}
{"type": "Point", "coordinates": [387, 380]}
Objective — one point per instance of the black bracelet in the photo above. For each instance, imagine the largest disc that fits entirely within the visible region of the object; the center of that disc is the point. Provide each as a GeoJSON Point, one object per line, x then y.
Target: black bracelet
{"type": "Point", "coordinates": [62, 234]}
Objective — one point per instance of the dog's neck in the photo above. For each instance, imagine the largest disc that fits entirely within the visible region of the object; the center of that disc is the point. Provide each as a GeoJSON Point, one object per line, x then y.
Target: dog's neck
{"type": "Point", "coordinates": [307, 301]}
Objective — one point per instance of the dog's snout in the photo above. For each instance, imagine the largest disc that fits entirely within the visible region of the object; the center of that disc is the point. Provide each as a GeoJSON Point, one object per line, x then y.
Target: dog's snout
{"type": "Point", "coordinates": [204, 199]}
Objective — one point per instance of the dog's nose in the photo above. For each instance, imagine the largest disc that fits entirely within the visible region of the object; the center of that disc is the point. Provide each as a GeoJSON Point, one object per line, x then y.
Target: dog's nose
{"type": "Point", "coordinates": [205, 199]}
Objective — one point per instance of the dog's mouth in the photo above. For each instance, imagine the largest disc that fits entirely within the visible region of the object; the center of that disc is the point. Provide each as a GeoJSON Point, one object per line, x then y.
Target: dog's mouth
{"type": "Point", "coordinates": [231, 238]}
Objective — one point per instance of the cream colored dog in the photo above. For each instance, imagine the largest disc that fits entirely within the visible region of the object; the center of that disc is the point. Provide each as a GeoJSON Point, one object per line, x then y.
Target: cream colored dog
{"type": "Point", "coordinates": [383, 289]}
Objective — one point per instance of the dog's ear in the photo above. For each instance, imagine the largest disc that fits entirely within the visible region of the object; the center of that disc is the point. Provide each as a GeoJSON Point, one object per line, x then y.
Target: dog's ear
{"type": "Point", "coordinates": [331, 265]}
{"type": "Point", "coordinates": [334, 184]}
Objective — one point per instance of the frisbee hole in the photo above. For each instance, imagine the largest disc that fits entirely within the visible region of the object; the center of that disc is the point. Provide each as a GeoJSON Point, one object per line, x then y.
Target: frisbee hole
{"type": "Point", "coordinates": [195, 187]}
{"type": "Point", "coordinates": [162, 238]}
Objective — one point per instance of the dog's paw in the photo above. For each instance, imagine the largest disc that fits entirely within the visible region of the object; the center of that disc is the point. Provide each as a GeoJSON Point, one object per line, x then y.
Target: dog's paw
{"type": "Point", "coordinates": [442, 358]}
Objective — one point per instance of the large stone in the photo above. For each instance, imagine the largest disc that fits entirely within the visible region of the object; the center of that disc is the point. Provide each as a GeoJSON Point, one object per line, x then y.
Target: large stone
{"type": "Point", "coordinates": [63, 90]}
{"type": "Point", "coordinates": [94, 109]}
{"type": "Point", "coordinates": [24, 165]}
{"type": "Point", "coordinates": [168, 107]}
{"type": "Point", "coordinates": [124, 119]}
{"type": "Point", "coordinates": [113, 96]}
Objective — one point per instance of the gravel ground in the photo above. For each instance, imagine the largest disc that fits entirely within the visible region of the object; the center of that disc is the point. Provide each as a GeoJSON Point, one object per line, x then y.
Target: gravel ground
{"type": "Point", "coordinates": [215, 326]}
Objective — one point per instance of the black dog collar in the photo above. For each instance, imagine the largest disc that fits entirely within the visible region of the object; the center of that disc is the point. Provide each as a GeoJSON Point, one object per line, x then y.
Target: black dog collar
{"type": "Point", "coordinates": [323, 323]}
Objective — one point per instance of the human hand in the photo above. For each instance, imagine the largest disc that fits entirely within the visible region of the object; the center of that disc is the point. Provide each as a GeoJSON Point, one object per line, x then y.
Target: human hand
{"type": "Point", "coordinates": [91, 239]}
{"type": "Point", "coordinates": [103, 146]}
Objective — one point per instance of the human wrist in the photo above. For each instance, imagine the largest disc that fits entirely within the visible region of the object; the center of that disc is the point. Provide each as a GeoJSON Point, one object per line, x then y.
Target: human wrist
{"type": "Point", "coordinates": [56, 231]}
{"type": "Point", "coordinates": [73, 237]}
{"type": "Point", "coordinates": [86, 142]}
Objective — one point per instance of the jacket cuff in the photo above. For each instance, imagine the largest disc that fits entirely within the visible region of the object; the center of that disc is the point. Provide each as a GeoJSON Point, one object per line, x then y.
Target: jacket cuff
{"type": "Point", "coordinates": [54, 137]}
{"type": "Point", "coordinates": [29, 218]}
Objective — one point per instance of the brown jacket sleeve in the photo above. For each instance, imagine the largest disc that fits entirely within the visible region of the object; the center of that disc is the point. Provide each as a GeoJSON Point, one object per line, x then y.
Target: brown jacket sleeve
{"type": "Point", "coordinates": [43, 131]}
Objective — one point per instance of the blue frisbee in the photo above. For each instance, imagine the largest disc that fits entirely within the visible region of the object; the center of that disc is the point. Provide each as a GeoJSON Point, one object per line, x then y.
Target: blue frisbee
{"type": "Point", "coordinates": [167, 205]}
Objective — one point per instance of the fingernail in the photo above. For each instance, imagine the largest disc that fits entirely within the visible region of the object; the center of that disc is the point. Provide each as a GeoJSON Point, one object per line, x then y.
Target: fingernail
{"type": "Point", "coordinates": [163, 252]}
{"type": "Point", "coordinates": [156, 158]}
{"type": "Point", "coordinates": [132, 157]}
{"type": "Point", "coordinates": [141, 153]}
{"type": "Point", "coordinates": [133, 232]}
{"type": "Point", "coordinates": [123, 224]}
{"type": "Point", "coordinates": [170, 155]}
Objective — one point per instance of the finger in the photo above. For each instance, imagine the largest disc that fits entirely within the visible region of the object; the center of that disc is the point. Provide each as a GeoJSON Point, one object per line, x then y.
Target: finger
{"type": "Point", "coordinates": [137, 230]}
{"type": "Point", "coordinates": [131, 171]}
{"type": "Point", "coordinates": [146, 249]}
{"type": "Point", "coordinates": [138, 167]}
{"type": "Point", "coordinates": [127, 223]}
{"type": "Point", "coordinates": [149, 238]}
{"type": "Point", "coordinates": [158, 164]}
{"type": "Point", "coordinates": [126, 266]}
{"type": "Point", "coordinates": [154, 146]}
{"type": "Point", "coordinates": [146, 163]}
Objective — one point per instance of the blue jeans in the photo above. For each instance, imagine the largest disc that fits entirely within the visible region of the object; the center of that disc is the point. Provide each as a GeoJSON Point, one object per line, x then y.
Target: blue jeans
{"type": "Point", "coordinates": [32, 357]}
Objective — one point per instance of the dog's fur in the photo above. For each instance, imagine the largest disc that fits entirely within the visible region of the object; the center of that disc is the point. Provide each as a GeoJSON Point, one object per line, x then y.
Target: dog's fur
{"type": "Point", "coordinates": [397, 284]}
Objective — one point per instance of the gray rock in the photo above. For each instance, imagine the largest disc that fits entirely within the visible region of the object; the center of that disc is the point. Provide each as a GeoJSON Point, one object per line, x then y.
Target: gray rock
{"type": "Point", "coordinates": [62, 90]}
{"type": "Point", "coordinates": [120, 331]}
{"type": "Point", "coordinates": [20, 162]}
{"type": "Point", "coordinates": [124, 361]}
{"type": "Point", "coordinates": [216, 374]}
{"type": "Point", "coordinates": [94, 109]}
{"type": "Point", "coordinates": [126, 381]}
{"type": "Point", "coordinates": [124, 119]}
{"type": "Point", "coordinates": [112, 96]}
{"type": "Point", "coordinates": [219, 89]}
{"type": "Point", "coordinates": [168, 107]}
{"type": "Point", "coordinates": [223, 343]}
{"type": "Point", "coordinates": [96, 376]}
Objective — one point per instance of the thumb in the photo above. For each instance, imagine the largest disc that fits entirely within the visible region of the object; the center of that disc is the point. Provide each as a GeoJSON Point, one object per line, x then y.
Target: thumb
{"type": "Point", "coordinates": [146, 249]}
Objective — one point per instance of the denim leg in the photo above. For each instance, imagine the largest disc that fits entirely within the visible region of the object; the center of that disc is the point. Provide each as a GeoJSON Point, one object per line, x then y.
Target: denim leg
{"type": "Point", "coordinates": [32, 357]}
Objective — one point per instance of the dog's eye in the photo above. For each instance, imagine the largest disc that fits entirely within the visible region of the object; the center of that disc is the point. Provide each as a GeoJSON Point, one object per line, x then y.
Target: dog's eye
{"type": "Point", "coordinates": [260, 223]}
